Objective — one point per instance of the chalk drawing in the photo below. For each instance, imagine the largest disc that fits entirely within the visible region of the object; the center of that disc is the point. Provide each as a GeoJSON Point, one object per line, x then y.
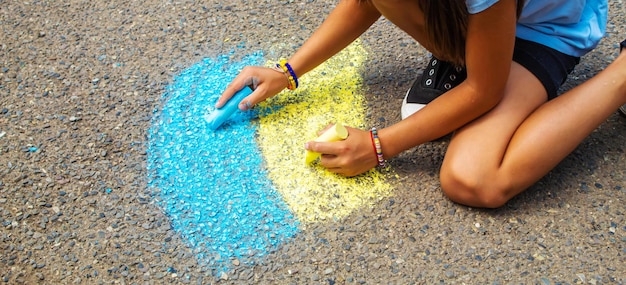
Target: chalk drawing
{"type": "Point", "coordinates": [243, 190]}
{"type": "Point", "coordinates": [331, 93]}
{"type": "Point", "coordinates": [214, 185]}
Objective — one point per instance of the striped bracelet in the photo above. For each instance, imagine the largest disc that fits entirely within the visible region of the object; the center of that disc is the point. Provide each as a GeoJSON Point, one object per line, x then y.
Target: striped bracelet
{"type": "Point", "coordinates": [377, 148]}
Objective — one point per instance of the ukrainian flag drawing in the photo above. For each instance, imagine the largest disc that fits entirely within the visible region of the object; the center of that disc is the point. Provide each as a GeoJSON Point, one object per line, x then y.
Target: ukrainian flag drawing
{"type": "Point", "coordinates": [239, 192]}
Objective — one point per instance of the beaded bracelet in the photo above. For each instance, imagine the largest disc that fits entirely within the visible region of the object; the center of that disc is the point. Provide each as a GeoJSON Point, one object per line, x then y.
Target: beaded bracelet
{"type": "Point", "coordinates": [291, 75]}
{"type": "Point", "coordinates": [377, 148]}
{"type": "Point", "coordinates": [278, 69]}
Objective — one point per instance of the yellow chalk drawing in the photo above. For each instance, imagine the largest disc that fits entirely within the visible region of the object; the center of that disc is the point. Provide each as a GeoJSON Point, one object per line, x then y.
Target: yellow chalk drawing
{"type": "Point", "coordinates": [333, 92]}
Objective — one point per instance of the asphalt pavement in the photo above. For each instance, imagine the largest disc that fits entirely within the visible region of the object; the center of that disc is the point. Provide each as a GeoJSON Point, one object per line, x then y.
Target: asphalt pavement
{"type": "Point", "coordinates": [84, 88]}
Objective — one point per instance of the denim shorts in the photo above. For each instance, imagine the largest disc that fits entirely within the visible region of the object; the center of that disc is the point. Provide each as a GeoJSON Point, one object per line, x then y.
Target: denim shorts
{"type": "Point", "coordinates": [550, 66]}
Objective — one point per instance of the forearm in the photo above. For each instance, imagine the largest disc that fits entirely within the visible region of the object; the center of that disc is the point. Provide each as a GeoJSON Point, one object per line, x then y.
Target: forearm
{"type": "Point", "coordinates": [345, 24]}
{"type": "Point", "coordinates": [442, 116]}
{"type": "Point", "coordinates": [489, 49]}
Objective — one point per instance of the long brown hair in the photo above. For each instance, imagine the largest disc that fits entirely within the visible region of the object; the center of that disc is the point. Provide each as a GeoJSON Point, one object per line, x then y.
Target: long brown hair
{"type": "Point", "coordinates": [446, 27]}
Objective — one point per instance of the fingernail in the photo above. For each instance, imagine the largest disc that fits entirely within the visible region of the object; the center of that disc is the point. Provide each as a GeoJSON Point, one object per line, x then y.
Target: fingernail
{"type": "Point", "coordinates": [306, 146]}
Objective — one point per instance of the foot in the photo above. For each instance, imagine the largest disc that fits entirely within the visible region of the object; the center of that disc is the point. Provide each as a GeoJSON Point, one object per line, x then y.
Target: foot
{"type": "Point", "coordinates": [438, 77]}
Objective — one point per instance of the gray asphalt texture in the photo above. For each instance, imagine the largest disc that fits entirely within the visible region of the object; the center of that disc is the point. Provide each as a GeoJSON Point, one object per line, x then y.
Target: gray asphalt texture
{"type": "Point", "coordinates": [80, 82]}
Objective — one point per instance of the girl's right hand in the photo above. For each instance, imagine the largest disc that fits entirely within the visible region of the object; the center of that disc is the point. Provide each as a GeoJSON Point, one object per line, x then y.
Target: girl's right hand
{"type": "Point", "coordinates": [266, 82]}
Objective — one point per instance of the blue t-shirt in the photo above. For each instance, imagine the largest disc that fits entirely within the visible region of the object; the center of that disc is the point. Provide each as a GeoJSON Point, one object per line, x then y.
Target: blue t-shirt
{"type": "Point", "coordinates": [573, 27]}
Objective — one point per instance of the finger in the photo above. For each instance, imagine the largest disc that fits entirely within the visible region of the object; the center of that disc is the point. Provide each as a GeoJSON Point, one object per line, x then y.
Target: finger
{"type": "Point", "coordinates": [343, 171]}
{"type": "Point", "coordinates": [330, 162]}
{"type": "Point", "coordinates": [251, 100]}
{"type": "Point", "coordinates": [243, 79]}
{"type": "Point", "coordinates": [228, 93]}
{"type": "Point", "coordinates": [246, 103]}
{"type": "Point", "coordinates": [323, 147]}
{"type": "Point", "coordinates": [338, 170]}
{"type": "Point", "coordinates": [319, 133]}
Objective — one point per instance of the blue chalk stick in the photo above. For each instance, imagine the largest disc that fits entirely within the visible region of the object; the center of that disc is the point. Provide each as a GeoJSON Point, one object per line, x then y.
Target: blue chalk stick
{"type": "Point", "coordinates": [219, 116]}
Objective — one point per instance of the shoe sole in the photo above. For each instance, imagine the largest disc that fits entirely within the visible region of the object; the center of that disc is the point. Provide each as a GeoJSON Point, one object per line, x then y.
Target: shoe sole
{"type": "Point", "coordinates": [409, 109]}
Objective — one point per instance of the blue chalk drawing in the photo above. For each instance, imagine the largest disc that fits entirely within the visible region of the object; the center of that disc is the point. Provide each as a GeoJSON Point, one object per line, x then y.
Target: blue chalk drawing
{"type": "Point", "coordinates": [213, 184]}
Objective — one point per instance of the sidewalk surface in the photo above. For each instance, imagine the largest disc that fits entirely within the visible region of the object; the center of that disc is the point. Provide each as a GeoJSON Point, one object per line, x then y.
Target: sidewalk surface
{"type": "Point", "coordinates": [84, 90]}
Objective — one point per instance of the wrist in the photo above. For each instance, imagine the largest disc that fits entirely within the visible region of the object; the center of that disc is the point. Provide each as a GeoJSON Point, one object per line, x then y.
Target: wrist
{"type": "Point", "coordinates": [292, 79]}
{"type": "Point", "coordinates": [377, 146]}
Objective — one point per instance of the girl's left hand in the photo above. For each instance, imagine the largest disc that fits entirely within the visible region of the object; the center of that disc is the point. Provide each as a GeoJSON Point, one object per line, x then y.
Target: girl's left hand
{"type": "Point", "coordinates": [349, 157]}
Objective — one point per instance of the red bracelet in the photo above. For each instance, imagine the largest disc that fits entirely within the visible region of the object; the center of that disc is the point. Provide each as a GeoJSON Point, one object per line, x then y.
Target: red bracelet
{"type": "Point", "coordinates": [377, 148]}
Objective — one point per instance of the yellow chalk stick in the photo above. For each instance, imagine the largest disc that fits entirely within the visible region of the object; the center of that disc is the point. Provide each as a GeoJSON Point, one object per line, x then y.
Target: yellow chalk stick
{"type": "Point", "coordinates": [335, 133]}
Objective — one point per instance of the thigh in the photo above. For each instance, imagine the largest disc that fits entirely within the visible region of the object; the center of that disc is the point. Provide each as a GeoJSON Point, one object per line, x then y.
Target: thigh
{"type": "Point", "coordinates": [550, 66]}
{"type": "Point", "coordinates": [477, 149]}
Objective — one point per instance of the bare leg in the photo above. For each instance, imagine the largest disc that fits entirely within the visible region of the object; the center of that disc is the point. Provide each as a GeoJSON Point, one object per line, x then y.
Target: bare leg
{"type": "Point", "coordinates": [511, 147]}
{"type": "Point", "coordinates": [505, 151]}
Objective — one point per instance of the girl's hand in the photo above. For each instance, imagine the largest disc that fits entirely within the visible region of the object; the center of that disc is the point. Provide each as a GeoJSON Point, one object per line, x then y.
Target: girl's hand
{"type": "Point", "coordinates": [265, 82]}
{"type": "Point", "coordinates": [349, 157]}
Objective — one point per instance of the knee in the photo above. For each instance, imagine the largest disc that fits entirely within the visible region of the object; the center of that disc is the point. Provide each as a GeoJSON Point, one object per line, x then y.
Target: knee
{"type": "Point", "coordinates": [472, 190]}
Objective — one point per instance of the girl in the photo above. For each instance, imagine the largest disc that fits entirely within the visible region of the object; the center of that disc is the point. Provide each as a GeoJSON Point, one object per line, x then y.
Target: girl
{"type": "Point", "coordinates": [493, 79]}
